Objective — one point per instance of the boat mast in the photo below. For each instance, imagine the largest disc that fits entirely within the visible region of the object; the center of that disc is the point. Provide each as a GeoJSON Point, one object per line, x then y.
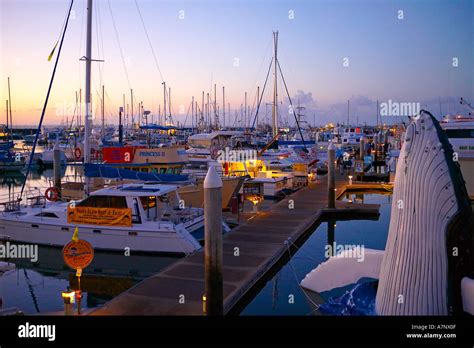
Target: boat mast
{"type": "Point", "coordinates": [348, 107]}
{"type": "Point", "coordinates": [131, 107]}
{"type": "Point", "coordinates": [164, 102]}
{"type": "Point", "coordinates": [88, 58]}
{"type": "Point", "coordinates": [208, 114]}
{"type": "Point", "coordinates": [245, 109]}
{"type": "Point", "coordinates": [10, 108]}
{"type": "Point", "coordinates": [377, 113]}
{"type": "Point", "coordinates": [103, 114]}
{"type": "Point", "coordinates": [223, 105]}
{"type": "Point", "coordinates": [79, 118]}
{"type": "Point", "coordinates": [275, 90]}
{"type": "Point", "coordinates": [258, 104]}
{"type": "Point", "coordinates": [216, 115]}
{"type": "Point", "coordinates": [170, 119]}
{"type": "Point", "coordinates": [192, 113]}
{"type": "Point", "coordinates": [6, 101]}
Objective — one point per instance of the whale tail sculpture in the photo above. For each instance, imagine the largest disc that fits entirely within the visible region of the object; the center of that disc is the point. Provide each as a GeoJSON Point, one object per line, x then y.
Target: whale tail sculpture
{"type": "Point", "coordinates": [429, 254]}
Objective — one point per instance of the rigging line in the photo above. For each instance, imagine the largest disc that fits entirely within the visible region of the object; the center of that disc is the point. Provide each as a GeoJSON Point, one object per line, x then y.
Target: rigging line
{"type": "Point", "coordinates": [261, 66]}
{"type": "Point", "coordinates": [292, 108]}
{"type": "Point", "coordinates": [80, 45]}
{"type": "Point", "coordinates": [120, 47]}
{"type": "Point", "coordinates": [302, 251]}
{"type": "Point", "coordinates": [296, 277]}
{"type": "Point", "coordinates": [258, 71]}
{"type": "Point", "coordinates": [149, 41]}
{"type": "Point", "coordinates": [101, 39]}
{"type": "Point", "coordinates": [97, 25]}
{"type": "Point", "coordinates": [187, 113]}
{"type": "Point", "coordinates": [263, 92]}
{"type": "Point", "coordinates": [31, 291]}
{"type": "Point", "coordinates": [45, 103]}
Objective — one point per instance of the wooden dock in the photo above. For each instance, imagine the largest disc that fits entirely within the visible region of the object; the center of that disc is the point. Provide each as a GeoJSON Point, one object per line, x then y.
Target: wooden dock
{"type": "Point", "coordinates": [251, 255]}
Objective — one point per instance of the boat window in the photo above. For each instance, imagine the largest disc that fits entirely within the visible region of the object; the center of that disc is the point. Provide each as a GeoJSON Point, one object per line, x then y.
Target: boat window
{"type": "Point", "coordinates": [170, 170]}
{"type": "Point", "coordinates": [136, 219]}
{"type": "Point", "coordinates": [148, 202]}
{"type": "Point", "coordinates": [104, 202]}
{"type": "Point", "coordinates": [460, 133]}
{"type": "Point", "coordinates": [46, 214]}
{"type": "Point", "coordinates": [150, 207]}
{"type": "Point", "coordinates": [162, 170]}
{"type": "Point", "coordinates": [196, 165]}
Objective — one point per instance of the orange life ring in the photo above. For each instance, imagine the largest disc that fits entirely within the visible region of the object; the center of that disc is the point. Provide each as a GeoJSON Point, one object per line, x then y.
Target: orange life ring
{"type": "Point", "coordinates": [52, 194]}
{"type": "Point", "coordinates": [78, 153]}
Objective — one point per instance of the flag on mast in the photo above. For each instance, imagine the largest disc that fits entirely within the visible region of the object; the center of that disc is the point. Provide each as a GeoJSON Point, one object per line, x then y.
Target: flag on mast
{"type": "Point", "coordinates": [52, 52]}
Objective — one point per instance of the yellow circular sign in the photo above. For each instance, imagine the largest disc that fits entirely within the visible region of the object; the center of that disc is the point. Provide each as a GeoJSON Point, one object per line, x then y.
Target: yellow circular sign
{"type": "Point", "coordinates": [78, 254]}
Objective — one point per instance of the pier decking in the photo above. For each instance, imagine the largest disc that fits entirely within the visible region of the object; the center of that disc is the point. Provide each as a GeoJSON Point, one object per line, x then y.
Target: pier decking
{"type": "Point", "coordinates": [251, 252]}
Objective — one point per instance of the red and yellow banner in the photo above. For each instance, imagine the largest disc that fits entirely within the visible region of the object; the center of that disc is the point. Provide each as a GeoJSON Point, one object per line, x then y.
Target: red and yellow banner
{"type": "Point", "coordinates": [100, 216]}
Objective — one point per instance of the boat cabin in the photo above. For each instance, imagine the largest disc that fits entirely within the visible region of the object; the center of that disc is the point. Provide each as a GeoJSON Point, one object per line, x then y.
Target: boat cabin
{"type": "Point", "coordinates": [147, 201]}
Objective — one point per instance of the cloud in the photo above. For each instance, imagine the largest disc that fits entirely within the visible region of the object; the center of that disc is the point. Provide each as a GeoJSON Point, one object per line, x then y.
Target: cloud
{"type": "Point", "coordinates": [304, 99]}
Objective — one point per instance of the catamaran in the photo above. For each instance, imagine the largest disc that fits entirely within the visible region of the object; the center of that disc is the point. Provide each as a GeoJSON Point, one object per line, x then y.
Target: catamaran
{"type": "Point", "coordinates": [146, 217]}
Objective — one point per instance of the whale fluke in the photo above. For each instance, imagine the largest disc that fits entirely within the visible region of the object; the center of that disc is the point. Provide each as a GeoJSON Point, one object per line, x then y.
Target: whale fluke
{"type": "Point", "coordinates": [343, 269]}
{"type": "Point", "coordinates": [430, 241]}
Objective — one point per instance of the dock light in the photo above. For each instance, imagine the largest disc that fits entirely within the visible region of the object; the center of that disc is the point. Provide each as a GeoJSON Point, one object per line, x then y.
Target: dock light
{"type": "Point", "coordinates": [350, 179]}
{"type": "Point", "coordinates": [204, 304]}
{"type": "Point", "coordinates": [79, 297]}
{"type": "Point", "coordinates": [255, 205]}
{"type": "Point", "coordinates": [69, 297]}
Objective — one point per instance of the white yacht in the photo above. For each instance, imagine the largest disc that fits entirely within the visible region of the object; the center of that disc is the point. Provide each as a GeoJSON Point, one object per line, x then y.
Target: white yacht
{"type": "Point", "coordinates": [143, 217]}
{"type": "Point", "coordinates": [460, 132]}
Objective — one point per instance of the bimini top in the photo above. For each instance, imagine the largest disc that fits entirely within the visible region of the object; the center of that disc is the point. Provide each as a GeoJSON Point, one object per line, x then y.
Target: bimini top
{"type": "Point", "coordinates": [136, 190]}
{"type": "Point", "coordinates": [213, 135]}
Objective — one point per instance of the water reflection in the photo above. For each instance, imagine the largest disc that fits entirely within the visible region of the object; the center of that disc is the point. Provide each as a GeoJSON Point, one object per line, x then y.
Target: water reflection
{"type": "Point", "coordinates": [274, 297]}
{"type": "Point", "coordinates": [36, 287]}
{"type": "Point", "coordinates": [41, 282]}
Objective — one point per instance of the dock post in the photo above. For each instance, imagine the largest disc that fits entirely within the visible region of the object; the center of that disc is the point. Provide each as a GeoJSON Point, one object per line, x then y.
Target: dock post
{"type": "Point", "coordinates": [57, 168]}
{"type": "Point", "coordinates": [331, 236]}
{"type": "Point", "coordinates": [331, 175]}
{"type": "Point", "coordinates": [213, 243]}
{"type": "Point", "coordinates": [362, 148]}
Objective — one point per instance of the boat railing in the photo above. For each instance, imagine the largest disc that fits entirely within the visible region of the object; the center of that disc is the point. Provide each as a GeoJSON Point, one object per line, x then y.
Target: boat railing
{"type": "Point", "coordinates": [202, 174]}
{"type": "Point", "coordinates": [10, 206]}
{"type": "Point", "coordinates": [33, 198]}
{"type": "Point", "coordinates": [178, 216]}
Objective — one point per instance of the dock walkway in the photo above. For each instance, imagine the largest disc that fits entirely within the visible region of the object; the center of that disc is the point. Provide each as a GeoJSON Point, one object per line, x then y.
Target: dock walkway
{"type": "Point", "coordinates": [250, 252]}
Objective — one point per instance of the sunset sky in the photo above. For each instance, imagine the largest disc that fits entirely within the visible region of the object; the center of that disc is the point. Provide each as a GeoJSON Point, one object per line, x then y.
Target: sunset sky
{"type": "Point", "coordinates": [406, 60]}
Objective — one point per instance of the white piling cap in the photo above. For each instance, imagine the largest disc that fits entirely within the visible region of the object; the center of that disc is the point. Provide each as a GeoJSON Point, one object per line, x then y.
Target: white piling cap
{"type": "Point", "coordinates": [212, 180]}
{"type": "Point", "coordinates": [331, 146]}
